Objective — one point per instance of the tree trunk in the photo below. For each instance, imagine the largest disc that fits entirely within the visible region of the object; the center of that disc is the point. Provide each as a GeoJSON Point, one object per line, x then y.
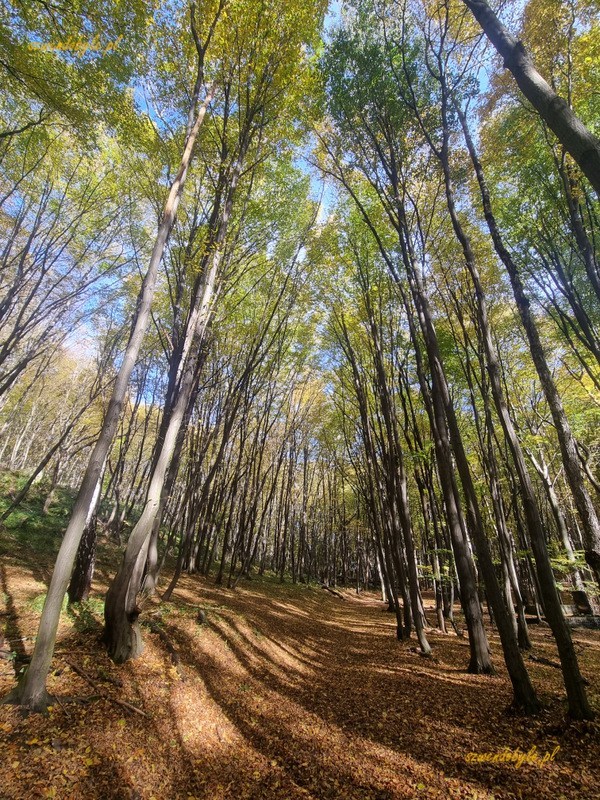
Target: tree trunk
{"type": "Point", "coordinates": [577, 140]}
{"type": "Point", "coordinates": [578, 704]}
{"type": "Point", "coordinates": [81, 579]}
{"type": "Point", "coordinates": [31, 691]}
{"type": "Point", "coordinates": [121, 633]}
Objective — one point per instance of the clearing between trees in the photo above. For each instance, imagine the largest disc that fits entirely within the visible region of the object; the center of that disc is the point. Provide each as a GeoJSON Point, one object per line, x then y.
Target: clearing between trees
{"type": "Point", "coordinates": [278, 691]}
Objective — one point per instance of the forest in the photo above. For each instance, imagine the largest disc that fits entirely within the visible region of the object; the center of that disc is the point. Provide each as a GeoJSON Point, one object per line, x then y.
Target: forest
{"type": "Point", "coordinates": [300, 399]}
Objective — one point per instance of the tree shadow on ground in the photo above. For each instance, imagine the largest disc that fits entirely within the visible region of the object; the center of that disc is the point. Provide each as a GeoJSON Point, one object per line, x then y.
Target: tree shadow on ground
{"type": "Point", "coordinates": [288, 693]}
{"type": "Point", "coordinates": [297, 677]}
{"type": "Point", "coordinates": [14, 642]}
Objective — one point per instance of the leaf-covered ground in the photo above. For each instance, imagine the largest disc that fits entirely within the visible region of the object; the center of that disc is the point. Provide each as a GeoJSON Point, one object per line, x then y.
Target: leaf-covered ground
{"type": "Point", "coordinates": [283, 692]}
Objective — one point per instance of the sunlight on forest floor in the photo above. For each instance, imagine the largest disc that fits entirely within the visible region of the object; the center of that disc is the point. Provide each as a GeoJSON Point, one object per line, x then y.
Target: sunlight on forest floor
{"type": "Point", "coordinates": [284, 692]}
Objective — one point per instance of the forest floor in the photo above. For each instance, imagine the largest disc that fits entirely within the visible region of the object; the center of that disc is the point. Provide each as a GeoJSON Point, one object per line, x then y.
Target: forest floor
{"type": "Point", "coordinates": [284, 692]}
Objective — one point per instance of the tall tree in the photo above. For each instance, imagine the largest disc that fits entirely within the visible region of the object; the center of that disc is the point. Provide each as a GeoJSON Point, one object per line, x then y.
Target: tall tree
{"type": "Point", "coordinates": [554, 110]}
{"type": "Point", "coordinates": [31, 690]}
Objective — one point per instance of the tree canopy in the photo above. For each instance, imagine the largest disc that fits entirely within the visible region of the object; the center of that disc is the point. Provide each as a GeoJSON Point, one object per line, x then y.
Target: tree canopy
{"type": "Point", "coordinates": [312, 293]}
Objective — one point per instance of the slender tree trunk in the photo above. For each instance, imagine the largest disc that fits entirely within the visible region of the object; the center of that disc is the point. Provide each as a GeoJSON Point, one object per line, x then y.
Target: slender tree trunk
{"type": "Point", "coordinates": [121, 634]}
{"type": "Point", "coordinates": [561, 524]}
{"type": "Point", "coordinates": [578, 704]}
{"type": "Point", "coordinates": [31, 690]}
{"type": "Point", "coordinates": [577, 140]}
{"type": "Point", "coordinates": [438, 403]}
{"type": "Point", "coordinates": [83, 572]}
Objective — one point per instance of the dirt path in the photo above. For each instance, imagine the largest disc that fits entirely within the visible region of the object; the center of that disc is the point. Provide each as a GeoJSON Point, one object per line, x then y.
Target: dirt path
{"type": "Point", "coordinates": [289, 692]}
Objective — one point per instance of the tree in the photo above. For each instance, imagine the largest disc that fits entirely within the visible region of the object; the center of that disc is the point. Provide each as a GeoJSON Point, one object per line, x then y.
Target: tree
{"type": "Point", "coordinates": [554, 110]}
{"type": "Point", "coordinates": [31, 690]}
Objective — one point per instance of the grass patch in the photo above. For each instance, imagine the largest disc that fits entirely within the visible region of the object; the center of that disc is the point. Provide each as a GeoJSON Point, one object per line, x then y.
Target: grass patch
{"type": "Point", "coordinates": [84, 617]}
{"type": "Point", "coordinates": [87, 615]}
{"type": "Point", "coordinates": [27, 525]}
{"type": "Point", "coordinates": [37, 603]}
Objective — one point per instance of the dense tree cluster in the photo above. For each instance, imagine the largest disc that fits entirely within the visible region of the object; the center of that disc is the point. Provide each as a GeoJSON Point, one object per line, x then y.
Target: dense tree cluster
{"type": "Point", "coordinates": [321, 300]}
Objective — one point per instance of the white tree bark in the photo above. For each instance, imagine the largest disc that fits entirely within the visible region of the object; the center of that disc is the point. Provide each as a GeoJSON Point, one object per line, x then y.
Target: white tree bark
{"type": "Point", "coordinates": [31, 690]}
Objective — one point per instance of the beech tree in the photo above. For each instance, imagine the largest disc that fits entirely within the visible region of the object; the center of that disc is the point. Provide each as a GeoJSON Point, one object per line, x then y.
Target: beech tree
{"type": "Point", "coordinates": [554, 110]}
{"type": "Point", "coordinates": [321, 306]}
{"type": "Point", "coordinates": [31, 690]}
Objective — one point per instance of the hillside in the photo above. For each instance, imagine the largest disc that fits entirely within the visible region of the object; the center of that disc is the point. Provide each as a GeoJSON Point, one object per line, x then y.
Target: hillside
{"type": "Point", "coordinates": [283, 692]}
